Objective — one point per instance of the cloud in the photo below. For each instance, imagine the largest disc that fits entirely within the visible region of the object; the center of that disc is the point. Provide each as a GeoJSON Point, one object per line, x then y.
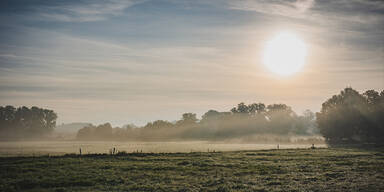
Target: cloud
{"type": "Point", "coordinates": [57, 60]}
{"type": "Point", "coordinates": [304, 5]}
{"type": "Point", "coordinates": [7, 56]}
{"type": "Point", "coordinates": [282, 8]}
{"type": "Point", "coordinates": [325, 11]}
{"type": "Point", "coordinates": [85, 12]}
{"type": "Point", "coordinates": [68, 11]}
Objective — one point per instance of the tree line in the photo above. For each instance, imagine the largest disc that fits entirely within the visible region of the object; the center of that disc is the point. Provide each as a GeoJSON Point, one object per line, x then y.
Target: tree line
{"type": "Point", "coordinates": [24, 122]}
{"type": "Point", "coordinates": [242, 120]}
{"type": "Point", "coordinates": [348, 117]}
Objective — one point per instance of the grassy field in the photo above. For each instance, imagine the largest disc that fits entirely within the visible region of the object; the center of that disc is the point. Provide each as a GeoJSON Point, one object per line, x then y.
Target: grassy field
{"type": "Point", "coordinates": [264, 170]}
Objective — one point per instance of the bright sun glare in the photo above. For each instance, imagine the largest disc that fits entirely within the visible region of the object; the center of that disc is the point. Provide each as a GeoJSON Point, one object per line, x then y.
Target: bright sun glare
{"type": "Point", "coordinates": [285, 54]}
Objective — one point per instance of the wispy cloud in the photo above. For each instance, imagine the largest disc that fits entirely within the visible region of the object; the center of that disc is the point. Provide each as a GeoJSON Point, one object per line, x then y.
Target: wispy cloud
{"type": "Point", "coordinates": [82, 11]}
{"type": "Point", "coordinates": [304, 5]}
{"type": "Point", "coordinates": [356, 11]}
{"type": "Point", "coordinates": [7, 56]}
{"type": "Point", "coordinates": [89, 11]}
{"type": "Point", "coordinates": [279, 7]}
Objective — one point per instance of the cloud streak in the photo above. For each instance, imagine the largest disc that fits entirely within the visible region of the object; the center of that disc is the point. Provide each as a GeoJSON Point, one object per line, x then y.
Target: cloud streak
{"type": "Point", "coordinates": [71, 11]}
{"type": "Point", "coordinates": [279, 7]}
{"type": "Point", "coordinates": [84, 12]}
{"type": "Point", "coordinates": [324, 11]}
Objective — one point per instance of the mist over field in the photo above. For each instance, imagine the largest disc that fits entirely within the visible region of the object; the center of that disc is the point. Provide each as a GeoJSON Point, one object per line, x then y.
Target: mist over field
{"type": "Point", "coordinates": [57, 148]}
{"type": "Point", "coordinates": [244, 127]}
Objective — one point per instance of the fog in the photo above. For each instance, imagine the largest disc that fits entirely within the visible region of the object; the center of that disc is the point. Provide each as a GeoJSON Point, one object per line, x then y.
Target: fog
{"type": "Point", "coordinates": [38, 148]}
{"type": "Point", "coordinates": [349, 117]}
{"type": "Point", "coordinates": [243, 123]}
{"type": "Point", "coordinates": [29, 131]}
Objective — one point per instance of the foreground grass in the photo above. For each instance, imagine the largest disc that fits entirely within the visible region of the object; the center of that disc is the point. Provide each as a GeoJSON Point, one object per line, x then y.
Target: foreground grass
{"type": "Point", "coordinates": [268, 170]}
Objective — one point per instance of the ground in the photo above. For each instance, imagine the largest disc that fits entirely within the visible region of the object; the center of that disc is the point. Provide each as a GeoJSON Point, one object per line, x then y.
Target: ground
{"type": "Point", "coordinates": [331, 169]}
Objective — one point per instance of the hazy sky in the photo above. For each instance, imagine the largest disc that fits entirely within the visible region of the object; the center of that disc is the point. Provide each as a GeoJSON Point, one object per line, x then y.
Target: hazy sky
{"type": "Point", "coordinates": [138, 61]}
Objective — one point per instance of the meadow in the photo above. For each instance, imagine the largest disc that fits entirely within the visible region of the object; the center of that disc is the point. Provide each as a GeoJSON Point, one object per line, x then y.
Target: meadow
{"type": "Point", "coordinates": [320, 169]}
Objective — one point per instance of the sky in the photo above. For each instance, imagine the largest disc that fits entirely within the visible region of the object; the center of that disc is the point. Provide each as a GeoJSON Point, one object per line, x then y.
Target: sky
{"type": "Point", "coordinates": [128, 61]}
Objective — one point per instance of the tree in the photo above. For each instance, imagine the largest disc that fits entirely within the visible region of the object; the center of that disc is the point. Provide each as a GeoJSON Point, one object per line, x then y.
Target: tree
{"type": "Point", "coordinates": [256, 108]}
{"type": "Point", "coordinates": [211, 115]}
{"type": "Point", "coordinates": [86, 132]}
{"type": "Point", "coordinates": [7, 118]}
{"type": "Point", "coordinates": [25, 122]}
{"type": "Point", "coordinates": [352, 117]}
{"type": "Point", "coordinates": [306, 124]}
{"type": "Point", "coordinates": [158, 124]}
{"type": "Point", "coordinates": [103, 131]}
{"type": "Point", "coordinates": [241, 108]}
{"type": "Point", "coordinates": [188, 119]}
{"type": "Point", "coordinates": [50, 119]}
{"type": "Point", "coordinates": [281, 118]}
{"type": "Point", "coordinates": [374, 115]}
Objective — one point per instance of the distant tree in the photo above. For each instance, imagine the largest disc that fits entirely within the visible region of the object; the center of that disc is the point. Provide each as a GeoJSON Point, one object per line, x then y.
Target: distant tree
{"type": "Point", "coordinates": [282, 119]}
{"type": "Point", "coordinates": [241, 108]}
{"type": "Point", "coordinates": [372, 97]}
{"type": "Point", "coordinates": [50, 119]}
{"type": "Point", "coordinates": [212, 122]}
{"type": "Point", "coordinates": [101, 132]}
{"type": "Point", "coordinates": [306, 124]}
{"type": "Point", "coordinates": [158, 124]}
{"type": "Point", "coordinates": [86, 133]}
{"type": "Point", "coordinates": [188, 119]}
{"type": "Point", "coordinates": [279, 108]}
{"type": "Point", "coordinates": [211, 115]}
{"type": "Point", "coordinates": [251, 109]}
{"type": "Point", "coordinates": [256, 108]}
{"type": "Point", "coordinates": [104, 131]}
{"type": "Point", "coordinates": [25, 122]}
{"type": "Point", "coordinates": [7, 119]}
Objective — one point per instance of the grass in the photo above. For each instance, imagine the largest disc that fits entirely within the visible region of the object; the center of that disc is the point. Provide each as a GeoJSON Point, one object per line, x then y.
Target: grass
{"type": "Point", "coordinates": [266, 170]}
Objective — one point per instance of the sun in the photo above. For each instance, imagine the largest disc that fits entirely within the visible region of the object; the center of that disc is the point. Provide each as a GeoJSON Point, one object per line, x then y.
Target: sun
{"type": "Point", "coordinates": [285, 54]}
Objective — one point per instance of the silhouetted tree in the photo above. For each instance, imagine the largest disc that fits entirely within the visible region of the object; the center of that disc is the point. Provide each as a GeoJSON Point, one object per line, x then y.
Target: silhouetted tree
{"type": "Point", "coordinates": [256, 108]}
{"type": "Point", "coordinates": [25, 122]}
{"type": "Point", "coordinates": [352, 117]}
{"type": "Point", "coordinates": [241, 108]}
